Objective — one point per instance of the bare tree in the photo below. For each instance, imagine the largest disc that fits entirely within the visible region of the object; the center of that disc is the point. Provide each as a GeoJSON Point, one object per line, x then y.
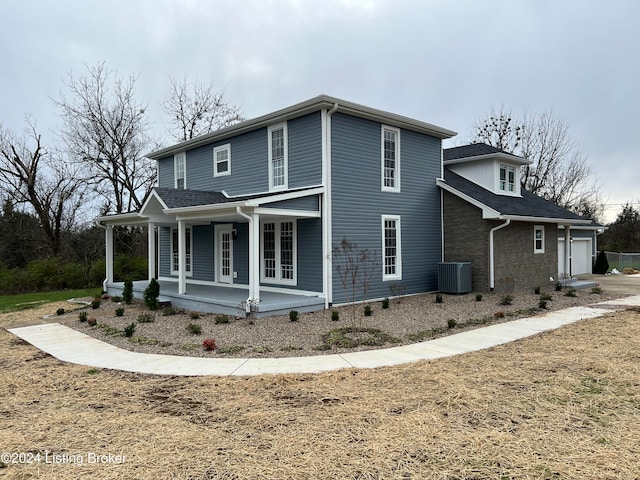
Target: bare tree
{"type": "Point", "coordinates": [559, 171]}
{"type": "Point", "coordinates": [106, 131]}
{"type": "Point", "coordinates": [32, 176]}
{"type": "Point", "coordinates": [196, 109]}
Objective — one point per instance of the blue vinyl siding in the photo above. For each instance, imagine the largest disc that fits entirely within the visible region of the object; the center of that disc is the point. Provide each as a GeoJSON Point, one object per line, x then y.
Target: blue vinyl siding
{"type": "Point", "coordinates": [310, 203]}
{"type": "Point", "coordinates": [165, 172]}
{"type": "Point", "coordinates": [202, 252]}
{"type": "Point", "coordinates": [305, 151]}
{"type": "Point", "coordinates": [164, 241]}
{"type": "Point", "coordinates": [358, 202]}
{"type": "Point", "coordinates": [241, 254]}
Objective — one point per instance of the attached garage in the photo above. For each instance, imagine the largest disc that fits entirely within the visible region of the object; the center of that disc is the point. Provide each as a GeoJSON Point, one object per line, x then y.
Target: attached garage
{"type": "Point", "coordinates": [581, 256]}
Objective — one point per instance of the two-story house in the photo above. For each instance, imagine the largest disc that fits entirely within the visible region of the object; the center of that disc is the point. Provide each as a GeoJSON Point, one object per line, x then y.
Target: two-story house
{"type": "Point", "coordinates": [248, 215]}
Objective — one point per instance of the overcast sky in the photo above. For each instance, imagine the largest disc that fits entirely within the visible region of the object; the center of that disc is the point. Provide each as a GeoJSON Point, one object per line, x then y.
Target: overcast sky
{"type": "Point", "coordinates": [440, 61]}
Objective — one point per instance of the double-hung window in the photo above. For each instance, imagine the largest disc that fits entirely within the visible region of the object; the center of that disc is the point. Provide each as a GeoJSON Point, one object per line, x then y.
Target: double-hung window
{"type": "Point", "coordinates": [222, 160]}
{"type": "Point", "coordinates": [507, 178]}
{"type": "Point", "coordinates": [279, 252]}
{"type": "Point", "coordinates": [175, 258]}
{"type": "Point", "coordinates": [278, 157]}
{"type": "Point", "coordinates": [180, 170]}
{"type": "Point", "coordinates": [390, 159]}
{"type": "Point", "coordinates": [538, 239]}
{"type": "Point", "coordinates": [391, 251]}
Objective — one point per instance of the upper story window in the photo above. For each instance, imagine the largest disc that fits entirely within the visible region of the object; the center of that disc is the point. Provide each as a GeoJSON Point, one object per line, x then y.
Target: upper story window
{"type": "Point", "coordinates": [392, 259]}
{"type": "Point", "coordinates": [390, 159]}
{"type": "Point", "coordinates": [278, 157]}
{"type": "Point", "coordinates": [180, 170]}
{"type": "Point", "coordinates": [507, 178]}
{"type": "Point", "coordinates": [222, 160]}
{"type": "Point", "coordinates": [538, 239]}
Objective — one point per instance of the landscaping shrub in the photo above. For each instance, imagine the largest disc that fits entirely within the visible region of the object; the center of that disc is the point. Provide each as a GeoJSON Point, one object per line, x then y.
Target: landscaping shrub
{"type": "Point", "coordinates": [294, 315]}
{"type": "Point", "coordinates": [558, 287]}
{"type": "Point", "coordinates": [542, 304]}
{"type": "Point", "coordinates": [335, 315]}
{"type": "Point", "coordinates": [92, 322]}
{"type": "Point", "coordinates": [60, 311]}
{"type": "Point", "coordinates": [385, 303]}
{"type": "Point", "coordinates": [129, 330]}
{"type": "Point", "coordinates": [221, 318]}
{"type": "Point", "coordinates": [209, 344]}
{"type": "Point", "coordinates": [571, 293]}
{"type": "Point", "coordinates": [546, 296]}
{"type": "Point", "coordinates": [82, 316]}
{"type": "Point", "coordinates": [478, 297]}
{"type": "Point", "coordinates": [146, 318]}
{"type": "Point", "coordinates": [194, 329]}
{"type": "Point", "coordinates": [596, 290]}
{"type": "Point", "coordinates": [438, 298]}
{"type": "Point", "coordinates": [127, 292]}
{"type": "Point", "coordinates": [169, 311]}
{"type": "Point", "coordinates": [451, 323]}
{"type": "Point", "coordinates": [151, 294]}
{"type": "Point", "coordinates": [506, 300]}
{"type": "Point", "coordinates": [368, 311]}
{"type": "Point", "coordinates": [194, 315]}
{"type": "Point", "coordinates": [536, 290]}
{"type": "Point", "coordinates": [602, 264]}
{"type": "Point", "coordinates": [119, 311]}
{"type": "Point", "coordinates": [116, 299]}
{"type": "Point", "coordinates": [95, 303]}
{"type": "Point", "coordinates": [498, 315]}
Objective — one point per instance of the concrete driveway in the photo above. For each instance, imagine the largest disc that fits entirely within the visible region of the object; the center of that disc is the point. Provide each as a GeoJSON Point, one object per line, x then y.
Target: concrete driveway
{"type": "Point", "coordinates": [618, 284]}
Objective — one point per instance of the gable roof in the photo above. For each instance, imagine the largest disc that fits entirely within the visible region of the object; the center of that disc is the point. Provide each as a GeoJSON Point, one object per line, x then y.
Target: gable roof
{"type": "Point", "coordinates": [478, 151]}
{"type": "Point", "coordinates": [529, 207]}
{"type": "Point", "coordinates": [303, 108]}
{"type": "Point", "coordinates": [178, 198]}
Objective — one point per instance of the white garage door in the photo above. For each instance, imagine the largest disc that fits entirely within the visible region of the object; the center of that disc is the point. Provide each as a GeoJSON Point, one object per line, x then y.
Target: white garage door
{"type": "Point", "coordinates": [580, 256]}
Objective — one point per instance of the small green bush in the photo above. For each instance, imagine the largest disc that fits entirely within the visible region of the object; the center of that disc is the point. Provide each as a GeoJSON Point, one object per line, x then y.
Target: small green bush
{"type": "Point", "coordinates": [451, 323]}
{"type": "Point", "coordinates": [558, 287]}
{"type": "Point", "coordinates": [385, 303]}
{"type": "Point", "coordinates": [82, 316]}
{"type": "Point", "coordinates": [294, 315]}
{"type": "Point", "coordinates": [542, 304]}
{"type": "Point", "coordinates": [95, 303]}
{"type": "Point", "coordinates": [368, 311]}
{"type": "Point", "coordinates": [60, 311]}
{"type": "Point", "coordinates": [571, 293]}
{"type": "Point", "coordinates": [119, 311]}
{"type": "Point", "coordinates": [602, 264]}
{"type": "Point", "coordinates": [129, 330]}
{"type": "Point", "coordinates": [146, 318]}
{"type": "Point", "coordinates": [546, 297]}
{"type": "Point", "coordinates": [506, 300]}
{"type": "Point", "coordinates": [335, 315]}
{"type": "Point", "coordinates": [127, 292]}
{"type": "Point", "coordinates": [221, 318]}
{"type": "Point", "coordinates": [194, 329]}
{"type": "Point", "coordinates": [151, 294]}
{"type": "Point", "coordinates": [596, 290]}
{"type": "Point", "coordinates": [116, 299]}
{"type": "Point", "coordinates": [536, 290]}
{"type": "Point", "coordinates": [478, 297]}
{"type": "Point", "coordinates": [438, 298]}
{"type": "Point", "coordinates": [169, 311]}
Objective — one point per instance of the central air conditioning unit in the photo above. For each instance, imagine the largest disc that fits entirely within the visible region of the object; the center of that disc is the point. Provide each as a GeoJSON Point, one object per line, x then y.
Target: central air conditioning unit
{"type": "Point", "coordinates": [454, 277]}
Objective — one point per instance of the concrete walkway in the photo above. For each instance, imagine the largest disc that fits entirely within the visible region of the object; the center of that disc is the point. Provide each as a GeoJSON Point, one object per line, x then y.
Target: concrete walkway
{"type": "Point", "coordinates": [69, 345]}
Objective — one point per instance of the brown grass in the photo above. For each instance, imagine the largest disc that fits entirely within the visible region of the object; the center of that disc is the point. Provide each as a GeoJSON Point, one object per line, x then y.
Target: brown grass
{"type": "Point", "coordinates": [563, 404]}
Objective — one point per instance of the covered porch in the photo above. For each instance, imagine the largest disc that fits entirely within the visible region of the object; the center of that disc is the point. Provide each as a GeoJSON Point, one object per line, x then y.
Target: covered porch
{"type": "Point", "coordinates": [225, 300]}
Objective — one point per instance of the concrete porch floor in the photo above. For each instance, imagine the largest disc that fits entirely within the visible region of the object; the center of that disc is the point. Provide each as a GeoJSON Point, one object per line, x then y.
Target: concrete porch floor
{"type": "Point", "coordinates": [227, 300]}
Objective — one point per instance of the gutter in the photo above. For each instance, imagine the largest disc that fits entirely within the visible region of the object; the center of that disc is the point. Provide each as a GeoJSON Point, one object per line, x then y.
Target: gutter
{"type": "Point", "coordinates": [492, 273]}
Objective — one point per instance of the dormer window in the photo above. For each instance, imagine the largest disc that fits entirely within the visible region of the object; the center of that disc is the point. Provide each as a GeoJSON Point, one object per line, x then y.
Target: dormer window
{"type": "Point", "coordinates": [507, 178]}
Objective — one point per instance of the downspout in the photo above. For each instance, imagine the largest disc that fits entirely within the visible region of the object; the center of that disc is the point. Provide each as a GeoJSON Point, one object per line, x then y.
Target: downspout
{"type": "Point", "coordinates": [327, 286]}
{"type": "Point", "coordinates": [492, 273]}
{"type": "Point", "coordinates": [104, 227]}
{"type": "Point", "coordinates": [247, 307]}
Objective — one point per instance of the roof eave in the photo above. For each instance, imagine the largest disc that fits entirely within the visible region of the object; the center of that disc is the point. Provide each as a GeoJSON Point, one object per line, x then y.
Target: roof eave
{"type": "Point", "coordinates": [487, 156]}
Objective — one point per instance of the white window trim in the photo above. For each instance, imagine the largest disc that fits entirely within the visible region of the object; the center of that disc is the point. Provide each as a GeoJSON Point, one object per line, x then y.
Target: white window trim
{"type": "Point", "coordinates": [396, 187]}
{"type": "Point", "coordinates": [175, 169]}
{"type": "Point", "coordinates": [221, 148]}
{"type": "Point", "coordinates": [516, 180]}
{"type": "Point", "coordinates": [398, 274]}
{"type": "Point", "coordinates": [535, 229]}
{"type": "Point", "coordinates": [189, 273]}
{"type": "Point", "coordinates": [278, 229]}
{"type": "Point", "coordinates": [285, 137]}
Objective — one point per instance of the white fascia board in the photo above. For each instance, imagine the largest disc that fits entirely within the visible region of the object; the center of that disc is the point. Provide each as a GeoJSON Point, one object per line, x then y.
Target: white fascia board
{"type": "Point", "coordinates": [487, 212]}
{"type": "Point", "coordinates": [157, 197]}
{"type": "Point", "coordinates": [584, 227]}
{"type": "Point", "coordinates": [563, 221]}
{"type": "Point", "coordinates": [133, 218]}
{"type": "Point", "coordinates": [200, 209]}
{"type": "Point", "coordinates": [283, 212]}
{"type": "Point", "coordinates": [284, 196]}
{"type": "Point", "coordinates": [488, 156]}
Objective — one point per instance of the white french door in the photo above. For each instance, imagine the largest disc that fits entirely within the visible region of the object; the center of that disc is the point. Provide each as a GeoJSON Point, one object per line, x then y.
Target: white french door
{"type": "Point", "coordinates": [224, 253]}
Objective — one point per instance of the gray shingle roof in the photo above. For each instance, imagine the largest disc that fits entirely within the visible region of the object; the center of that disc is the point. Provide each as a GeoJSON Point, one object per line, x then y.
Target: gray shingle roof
{"type": "Point", "coordinates": [176, 198]}
{"type": "Point", "coordinates": [529, 205]}
{"type": "Point", "coordinates": [471, 150]}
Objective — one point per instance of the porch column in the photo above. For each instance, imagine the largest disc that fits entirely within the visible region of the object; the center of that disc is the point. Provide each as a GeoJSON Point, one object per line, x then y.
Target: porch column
{"type": "Point", "coordinates": [108, 231]}
{"type": "Point", "coordinates": [567, 250]}
{"type": "Point", "coordinates": [254, 257]}
{"type": "Point", "coordinates": [182, 258]}
{"type": "Point", "coordinates": [151, 236]}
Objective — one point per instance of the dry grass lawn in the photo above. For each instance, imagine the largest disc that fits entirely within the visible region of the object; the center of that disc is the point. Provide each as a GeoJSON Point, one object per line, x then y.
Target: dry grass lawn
{"type": "Point", "coordinates": [564, 404]}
